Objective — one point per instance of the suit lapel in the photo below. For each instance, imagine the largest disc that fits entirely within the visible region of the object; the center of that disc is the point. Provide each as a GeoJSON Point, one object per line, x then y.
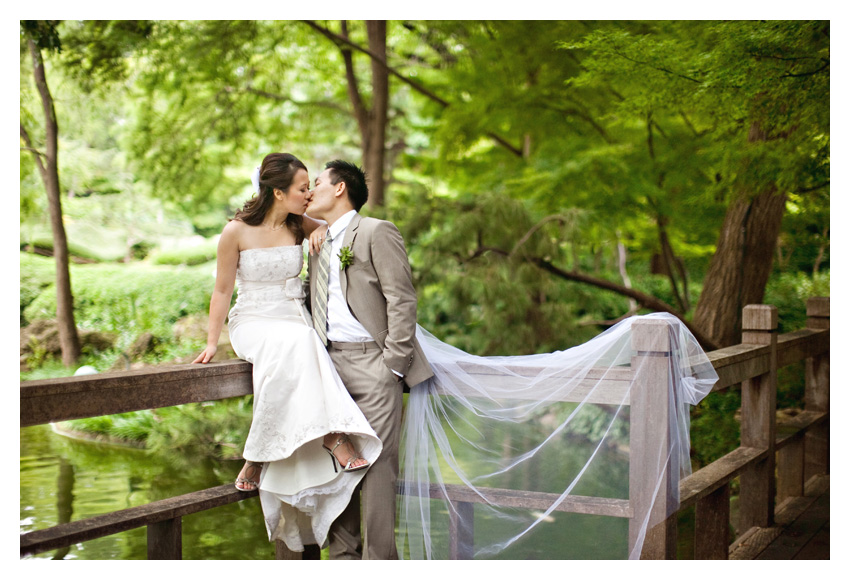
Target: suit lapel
{"type": "Point", "coordinates": [348, 240]}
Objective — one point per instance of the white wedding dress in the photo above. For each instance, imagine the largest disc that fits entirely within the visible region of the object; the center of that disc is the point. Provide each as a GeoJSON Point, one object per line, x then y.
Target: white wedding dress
{"type": "Point", "coordinates": [298, 398]}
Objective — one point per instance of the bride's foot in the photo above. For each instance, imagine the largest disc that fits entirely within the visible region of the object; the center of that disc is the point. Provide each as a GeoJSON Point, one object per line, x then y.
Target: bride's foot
{"type": "Point", "coordinates": [340, 448]}
{"type": "Point", "coordinates": [249, 477]}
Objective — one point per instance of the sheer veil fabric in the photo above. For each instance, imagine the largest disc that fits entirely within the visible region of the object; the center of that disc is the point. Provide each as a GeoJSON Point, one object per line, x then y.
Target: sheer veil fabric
{"type": "Point", "coordinates": [566, 455]}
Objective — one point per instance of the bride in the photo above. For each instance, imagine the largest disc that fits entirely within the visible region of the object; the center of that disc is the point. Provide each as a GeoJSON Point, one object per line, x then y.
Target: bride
{"type": "Point", "coordinates": [302, 412]}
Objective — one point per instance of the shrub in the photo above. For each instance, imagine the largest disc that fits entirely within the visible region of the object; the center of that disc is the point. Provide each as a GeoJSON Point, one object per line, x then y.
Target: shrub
{"type": "Point", "coordinates": [789, 291]}
{"type": "Point", "coordinates": [106, 250]}
{"type": "Point", "coordinates": [37, 273]}
{"type": "Point", "coordinates": [130, 299]}
{"type": "Point", "coordinates": [217, 429]}
{"type": "Point", "coordinates": [191, 256]}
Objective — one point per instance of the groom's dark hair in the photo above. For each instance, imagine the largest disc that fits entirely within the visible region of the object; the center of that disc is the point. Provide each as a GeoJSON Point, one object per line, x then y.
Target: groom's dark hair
{"type": "Point", "coordinates": [354, 179]}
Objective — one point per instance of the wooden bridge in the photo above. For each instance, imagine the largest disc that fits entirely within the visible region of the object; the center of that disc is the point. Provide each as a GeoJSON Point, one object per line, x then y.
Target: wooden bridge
{"type": "Point", "coordinates": [782, 468]}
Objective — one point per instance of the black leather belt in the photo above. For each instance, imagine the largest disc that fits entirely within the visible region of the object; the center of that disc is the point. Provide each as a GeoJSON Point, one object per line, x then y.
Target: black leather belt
{"type": "Point", "coordinates": [364, 346]}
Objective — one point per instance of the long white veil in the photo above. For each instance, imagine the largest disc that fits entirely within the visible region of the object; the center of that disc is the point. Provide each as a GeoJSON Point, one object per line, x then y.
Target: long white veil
{"type": "Point", "coordinates": [573, 454]}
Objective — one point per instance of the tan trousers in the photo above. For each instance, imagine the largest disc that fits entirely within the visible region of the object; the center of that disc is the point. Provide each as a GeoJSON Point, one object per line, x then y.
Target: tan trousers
{"type": "Point", "coordinates": [378, 393]}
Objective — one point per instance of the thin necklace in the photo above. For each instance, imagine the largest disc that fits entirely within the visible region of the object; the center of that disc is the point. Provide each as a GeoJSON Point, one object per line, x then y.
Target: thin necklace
{"type": "Point", "coordinates": [274, 228]}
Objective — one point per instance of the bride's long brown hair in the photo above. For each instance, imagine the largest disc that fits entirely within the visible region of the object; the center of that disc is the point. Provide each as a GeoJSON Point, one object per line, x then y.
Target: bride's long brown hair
{"type": "Point", "coordinates": [277, 172]}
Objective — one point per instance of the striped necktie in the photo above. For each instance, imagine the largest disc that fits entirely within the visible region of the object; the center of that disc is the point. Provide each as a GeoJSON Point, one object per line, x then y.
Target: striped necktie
{"type": "Point", "coordinates": [320, 312]}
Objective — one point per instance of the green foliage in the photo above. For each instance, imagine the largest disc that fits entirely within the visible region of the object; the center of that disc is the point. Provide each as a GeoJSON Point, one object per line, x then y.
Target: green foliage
{"type": "Point", "coordinates": [44, 33]}
{"type": "Point", "coordinates": [133, 427]}
{"type": "Point", "coordinates": [36, 274]}
{"type": "Point", "coordinates": [130, 299]}
{"type": "Point", "coordinates": [715, 427]}
{"type": "Point", "coordinates": [98, 51]}
{"type": "Point", "coordinates": [216, 429]}
{"type": "Point", "coordinates": [789, 292]}
{"type": "Point", "coordinates": [189, 256]}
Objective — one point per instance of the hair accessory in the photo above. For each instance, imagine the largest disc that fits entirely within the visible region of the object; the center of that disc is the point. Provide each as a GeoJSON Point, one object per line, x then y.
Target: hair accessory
{"type": "Point", "coordinates": [255, 179]}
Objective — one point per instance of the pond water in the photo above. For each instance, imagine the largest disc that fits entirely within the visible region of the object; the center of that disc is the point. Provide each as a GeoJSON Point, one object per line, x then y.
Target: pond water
{"type": "Point", "coordinates": [64, 479]}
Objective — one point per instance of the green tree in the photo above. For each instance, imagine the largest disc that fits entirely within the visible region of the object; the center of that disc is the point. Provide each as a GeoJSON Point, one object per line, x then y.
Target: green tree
{"type": "Point", "coordinates": [650, 130]}
{"type": "Point", "coordinates": [754, 95]}
{"type": "Point", "coordinates": [39, 36]}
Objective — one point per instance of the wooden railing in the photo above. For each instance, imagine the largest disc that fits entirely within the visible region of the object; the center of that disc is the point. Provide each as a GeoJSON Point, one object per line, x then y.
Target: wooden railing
{"type": "Point", "coordinates": [768, 465]}
{"type": "Point", "coordinates": [773, 461]}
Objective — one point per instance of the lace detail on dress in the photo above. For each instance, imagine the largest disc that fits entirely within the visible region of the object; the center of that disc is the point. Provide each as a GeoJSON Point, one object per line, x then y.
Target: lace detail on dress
{"type": "Point", "coordinates": [270, 264]}
{"type": "Point", "coordinates": [269, 438]}
{"type": "Point", "coordinates": [267, 276]}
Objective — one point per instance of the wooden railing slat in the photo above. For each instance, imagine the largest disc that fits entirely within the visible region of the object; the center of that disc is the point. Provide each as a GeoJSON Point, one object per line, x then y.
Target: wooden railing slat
{"type": "Point", "coordinates": [70, 533]}
{"type": "Point", "coordinates": [708, 479]}
{"type": "Point", "coordinates": [525, 499]}
{"type": "Point", "coordinates": [797, 426]}
{"type": "Point", "coordinates": [68, 398]}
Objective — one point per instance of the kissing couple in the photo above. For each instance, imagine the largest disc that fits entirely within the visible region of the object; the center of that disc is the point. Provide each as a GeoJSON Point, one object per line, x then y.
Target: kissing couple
{"type": "Point", "coordinates": [328, 381]}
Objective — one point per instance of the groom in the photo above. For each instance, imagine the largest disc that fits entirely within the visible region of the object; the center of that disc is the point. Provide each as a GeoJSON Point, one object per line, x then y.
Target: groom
{"type": "Point", "coordinates": [370, 333]}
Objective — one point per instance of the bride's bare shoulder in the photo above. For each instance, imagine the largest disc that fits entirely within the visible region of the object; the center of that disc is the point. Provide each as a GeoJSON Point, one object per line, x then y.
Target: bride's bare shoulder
{"type": "Point", "coordinates": [234, 231]}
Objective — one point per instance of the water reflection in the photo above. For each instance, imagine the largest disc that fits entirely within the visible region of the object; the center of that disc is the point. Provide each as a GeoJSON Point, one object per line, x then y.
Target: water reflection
{"type": "Point", "coordinates": [64, 500]}
{"type": "Point", "coordinates": [66, 480]}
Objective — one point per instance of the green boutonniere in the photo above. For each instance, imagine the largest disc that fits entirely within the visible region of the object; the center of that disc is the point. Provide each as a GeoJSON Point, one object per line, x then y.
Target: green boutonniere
{"type": "Point", "coordinates": [346, 257]}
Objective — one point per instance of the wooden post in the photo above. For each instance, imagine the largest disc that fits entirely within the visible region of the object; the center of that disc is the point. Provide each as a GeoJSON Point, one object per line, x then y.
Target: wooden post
{"type": "Point", "coordinates": [790, 461]}
{"type": "Point", "coordinates": [817, 393]}
{"type": "Point", "coordinates": [282, 552]}
{"type": "Point", "coordinates": [711, 526]}
{"type": "Point", "coordinates": [165, 540]}
{"type": "Point", "coordinates": [460, 530]}
{"type": "Point", "coordinates": [650, 441]}
{"type": "Point", "coordinates": [758, 421]}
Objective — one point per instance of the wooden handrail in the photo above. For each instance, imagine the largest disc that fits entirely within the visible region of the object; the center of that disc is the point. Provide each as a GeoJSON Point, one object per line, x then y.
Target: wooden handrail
{"type": "Point", "coordinates": [52, 400]}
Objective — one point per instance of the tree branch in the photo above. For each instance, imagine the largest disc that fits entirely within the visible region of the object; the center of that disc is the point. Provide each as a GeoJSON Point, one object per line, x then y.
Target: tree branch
{"type": "Point", "coordinates": [35, 151]}
{"type": "Point", "coordinates": [658, 68]}
{"type": "Point", "coordinates": [537, 226]}
{"type": "Point", "coordinates": [806, 74]}
{"type": "Point", "coordinates": [286, 99]}
{"type": "Point", "coordinates": [340, 41]}
{"type": "Point", "coordinates": [645, 300]}
{"type": "Point", "coordinates": [360, 111]}
{"type": "Point", "coordinates": [814, 187]}
{"type": "Point", "coordinates": [37, 155]}
{"type": "Point", "coordinates": [581, 115]}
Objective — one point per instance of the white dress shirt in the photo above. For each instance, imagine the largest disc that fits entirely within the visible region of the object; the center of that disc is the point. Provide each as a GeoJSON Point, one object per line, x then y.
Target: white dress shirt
{"type": "Point", "coordinates": [342, 326]}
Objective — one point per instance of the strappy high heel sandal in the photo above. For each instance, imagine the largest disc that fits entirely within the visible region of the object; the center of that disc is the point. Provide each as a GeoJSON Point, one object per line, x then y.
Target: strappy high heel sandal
{"type": "Point", "coordinates": [354, 456]}
{"type": "Point", "coordinates": [247, 480]}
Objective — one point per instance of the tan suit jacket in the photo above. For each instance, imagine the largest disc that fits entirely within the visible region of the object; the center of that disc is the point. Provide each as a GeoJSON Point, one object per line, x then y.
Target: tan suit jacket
{"type": "Point", "coordinates": [378, 288]}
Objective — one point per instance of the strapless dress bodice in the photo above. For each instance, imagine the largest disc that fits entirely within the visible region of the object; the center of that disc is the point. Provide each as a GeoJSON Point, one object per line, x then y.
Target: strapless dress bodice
{"type": "Point", "coordinates": [269, 275]}
{"type": "Point", "coordinates": [268, 285]}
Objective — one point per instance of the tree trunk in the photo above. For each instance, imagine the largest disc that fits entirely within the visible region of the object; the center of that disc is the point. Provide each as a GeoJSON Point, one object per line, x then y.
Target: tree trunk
{"type": "Point", "coordinates": [741, 265]}
{"type": "Point", "coordinates": [68, 338]}
{"type": "Point", "coordinates": [372, 122]}
{"type": "Point", "coordinates": [671, 265]}
{"type": "Point", "coordinates": [373, 156]}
